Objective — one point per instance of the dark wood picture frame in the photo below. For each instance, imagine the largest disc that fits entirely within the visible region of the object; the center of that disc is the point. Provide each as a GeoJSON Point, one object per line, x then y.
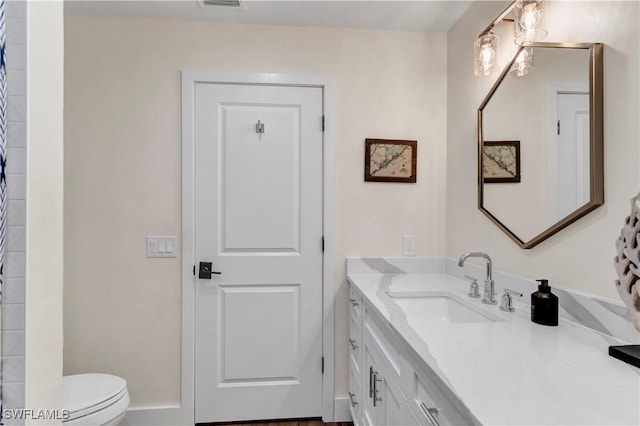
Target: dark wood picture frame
{"type": "Point", "coordinates": [379, 175]}
{"type": "Point", "coordinates": [506, 179]}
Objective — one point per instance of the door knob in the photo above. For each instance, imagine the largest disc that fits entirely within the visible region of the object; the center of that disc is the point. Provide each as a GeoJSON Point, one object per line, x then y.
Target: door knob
{"type": "Point", "coordinates": [205, 271]}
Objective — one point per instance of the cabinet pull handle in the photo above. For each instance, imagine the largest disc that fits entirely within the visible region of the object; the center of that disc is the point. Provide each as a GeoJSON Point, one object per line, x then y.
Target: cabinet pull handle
{"type": "Point", "coordinates": [371, 374]}
{"type": "Point", "coordinates": [354, 302]}
{"type": "Point", "coordinates": [352, 397]}
{"type": "Point", "coordinates": [353, 344]}
{"type": "Point", "coordinates": [375, 389]}
{"type": "Point", "coordinates": [430, 413]}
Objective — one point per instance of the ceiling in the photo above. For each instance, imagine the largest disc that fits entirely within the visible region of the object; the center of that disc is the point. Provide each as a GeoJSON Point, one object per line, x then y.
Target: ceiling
{"type": "Point", "coordinates": [425, 15]}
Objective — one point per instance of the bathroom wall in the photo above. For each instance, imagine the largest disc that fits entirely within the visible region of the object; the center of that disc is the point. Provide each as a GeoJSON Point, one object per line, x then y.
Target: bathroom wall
{"type": "Point", "coordinates": [122, 170]}
{"type": "Point", "coordinates": [581, 255]}
{"type": "Point", "coordinates": [44, 188]}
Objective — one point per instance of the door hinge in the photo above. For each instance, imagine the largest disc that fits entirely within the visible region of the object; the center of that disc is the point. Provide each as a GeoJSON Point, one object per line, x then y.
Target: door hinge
{"type": "Point", "coordinates": [323, 244]}
{"type": "Point", "coordinates": [323, 123]}
{"type": "Point", "coordinates": [322, 365]}
{"type": "Point", "coordinates": [194, 270]}
{"type": "Point", "coordinates": [558, 126]}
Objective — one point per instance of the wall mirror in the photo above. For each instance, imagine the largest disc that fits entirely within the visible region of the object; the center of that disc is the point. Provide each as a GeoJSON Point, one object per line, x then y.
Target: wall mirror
{"type": "Point", "coordinates": [540, 142]}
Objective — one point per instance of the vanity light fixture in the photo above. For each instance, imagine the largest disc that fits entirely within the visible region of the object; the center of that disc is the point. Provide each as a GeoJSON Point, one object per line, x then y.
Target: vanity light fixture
{"type": "Point", "coordinates": [528, 15]}
{"type": "Point", "coordinates": [527, 18]}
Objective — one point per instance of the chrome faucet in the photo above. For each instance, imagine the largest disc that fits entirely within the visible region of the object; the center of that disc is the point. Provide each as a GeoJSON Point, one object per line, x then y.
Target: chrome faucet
{"type": "Point", "coordinates": [489, 291]}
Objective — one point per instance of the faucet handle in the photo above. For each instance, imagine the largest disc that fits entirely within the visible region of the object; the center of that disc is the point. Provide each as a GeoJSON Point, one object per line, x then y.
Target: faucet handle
{"type": "Point", "coordinates": [474, 289]}
{"type": "Point", "coordinates": [507, 300]}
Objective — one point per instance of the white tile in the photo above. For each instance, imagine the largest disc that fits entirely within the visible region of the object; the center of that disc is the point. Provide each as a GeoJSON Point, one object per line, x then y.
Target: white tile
{"type": "Point", "coordinates": [13, 395]}
{"type": "Point", "coordinates": [16, 82]}
{"type": "Point", "coordinates": [16, 212]}
{"type": "Point", "coordinates": [13, 317]}
{"type": "Point", "coordinates": [13, 290]}
{"type": "Point", "coordinates": [12, 369]}
{"type": "Point", "coordinates": [16, 238]}
{"type": "Point", "coordinates": [15, 9]}
{"type": "Point", "coordinates": [15, 264]}
{"type": "Point", "coordinates": [16, 186]}
{"type": "Point", "coordinates": [13, 343]}
{"type": "Point", "coordinates": [16, 160]}
{"type": "Point", "coordinates": [16, 31]}
{"type": "Point", "coordinates": [16, 108]}
{"type": "Point", "coordinates": [17, 134]}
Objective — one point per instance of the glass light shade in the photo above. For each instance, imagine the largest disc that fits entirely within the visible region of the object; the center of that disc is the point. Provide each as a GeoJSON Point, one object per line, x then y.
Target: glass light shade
{"type": "Point", "coordinates": [528, 21]}
{"type": "Point", "coordinates": [485, 54]}
{"type": "Point", "coordinates": [523, 64]}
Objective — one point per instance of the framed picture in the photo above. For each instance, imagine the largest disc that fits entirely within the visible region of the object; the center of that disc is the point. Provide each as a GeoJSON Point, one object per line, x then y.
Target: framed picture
{"type": "Point", "coordinates": [387, 160]}
{"type": "Point", "coordinates": [501, 162]}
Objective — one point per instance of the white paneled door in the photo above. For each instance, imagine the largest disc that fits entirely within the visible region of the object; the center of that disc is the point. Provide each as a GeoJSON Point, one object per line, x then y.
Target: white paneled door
{"type": "Point", "coordinates": [258, 216]}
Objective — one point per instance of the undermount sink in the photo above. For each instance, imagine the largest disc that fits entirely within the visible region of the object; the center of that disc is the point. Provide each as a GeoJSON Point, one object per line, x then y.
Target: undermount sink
{"type": "Point", "coordinates": [441, 306]}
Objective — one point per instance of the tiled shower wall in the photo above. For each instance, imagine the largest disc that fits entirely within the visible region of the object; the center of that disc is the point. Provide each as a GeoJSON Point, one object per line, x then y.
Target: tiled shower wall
{"type": "Point", "coordinates": [13, 292]}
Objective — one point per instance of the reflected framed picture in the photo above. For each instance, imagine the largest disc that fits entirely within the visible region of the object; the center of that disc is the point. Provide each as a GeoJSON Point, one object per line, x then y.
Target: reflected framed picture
{"type": "Point", "coordinates": [390, 160]}
{"type": "Point", "coordinates": [501, 162]}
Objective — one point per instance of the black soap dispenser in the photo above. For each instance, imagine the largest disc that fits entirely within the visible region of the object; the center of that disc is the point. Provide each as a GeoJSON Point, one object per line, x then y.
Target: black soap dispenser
{"type": "Point", "coordinates": [544, 305]}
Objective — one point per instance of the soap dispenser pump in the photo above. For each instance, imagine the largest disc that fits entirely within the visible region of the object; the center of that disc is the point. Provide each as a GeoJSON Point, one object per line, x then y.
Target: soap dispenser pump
{"type": "Point", "coordinates": [544, 305]}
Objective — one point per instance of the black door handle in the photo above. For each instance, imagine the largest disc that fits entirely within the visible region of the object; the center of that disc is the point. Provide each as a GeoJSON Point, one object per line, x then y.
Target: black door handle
{"type": "Point", "coordinates": [205, 272]}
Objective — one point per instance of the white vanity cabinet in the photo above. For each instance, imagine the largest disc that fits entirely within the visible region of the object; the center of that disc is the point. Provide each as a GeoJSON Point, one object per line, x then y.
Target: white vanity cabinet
{"type": "Point", "coordinates": [389, 384]}
{"type": "Point", "coordinates": [356, 398]}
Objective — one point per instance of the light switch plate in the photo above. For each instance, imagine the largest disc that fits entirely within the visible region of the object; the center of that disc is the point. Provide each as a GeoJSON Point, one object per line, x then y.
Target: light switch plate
{"type": "Point", "coordinates": [162, 246]}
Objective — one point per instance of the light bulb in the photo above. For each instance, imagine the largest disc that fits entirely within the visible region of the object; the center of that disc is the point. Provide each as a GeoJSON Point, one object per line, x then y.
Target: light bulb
{"type": "Point", "coordinates": [485, 51]}
{"type": "Point", "coordinates": [523, 63]}
{"type": "Point", "coordinates": [528, 21]}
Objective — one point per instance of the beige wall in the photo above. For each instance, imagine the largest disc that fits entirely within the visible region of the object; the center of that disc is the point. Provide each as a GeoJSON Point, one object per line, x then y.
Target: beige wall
{"type": "Point", "coordinates": [122, 170]}
{"type": "Point", "coordinates": [581, 255]}
{"type": "Point", "coordinates": [44, 263]}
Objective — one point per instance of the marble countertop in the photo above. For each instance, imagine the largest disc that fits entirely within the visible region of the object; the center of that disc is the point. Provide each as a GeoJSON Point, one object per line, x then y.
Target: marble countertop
{"type": "Point", "coordinates": [512, 371]}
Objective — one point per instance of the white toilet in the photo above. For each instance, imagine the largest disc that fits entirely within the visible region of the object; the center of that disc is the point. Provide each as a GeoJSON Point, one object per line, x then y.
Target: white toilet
{"type": "Point", "coordinates": [95, 399]}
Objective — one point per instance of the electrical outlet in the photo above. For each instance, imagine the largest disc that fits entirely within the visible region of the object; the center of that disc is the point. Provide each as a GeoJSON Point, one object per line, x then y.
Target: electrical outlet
{"type": "Point", "coordinates": [409, 245]}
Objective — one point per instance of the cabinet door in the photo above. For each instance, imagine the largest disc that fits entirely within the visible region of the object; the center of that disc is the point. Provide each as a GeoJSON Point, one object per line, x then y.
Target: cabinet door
{"type": "Point", "coordinates": [369, 411]}
{"type": "Point", "coordinates": [391, 402]}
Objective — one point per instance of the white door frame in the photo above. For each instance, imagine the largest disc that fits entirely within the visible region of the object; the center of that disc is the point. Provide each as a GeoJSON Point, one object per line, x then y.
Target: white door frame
{"type": "Point", "coordinates": [189, 79]}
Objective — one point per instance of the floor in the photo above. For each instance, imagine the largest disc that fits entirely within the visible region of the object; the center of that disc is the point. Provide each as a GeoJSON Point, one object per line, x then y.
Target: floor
{"type": "Point", "coordinates": [297, 422]}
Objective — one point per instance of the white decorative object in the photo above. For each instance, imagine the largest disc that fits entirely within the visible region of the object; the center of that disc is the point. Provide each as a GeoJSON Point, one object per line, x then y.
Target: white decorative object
{"type": "Point", "coordinates": [627, 262]}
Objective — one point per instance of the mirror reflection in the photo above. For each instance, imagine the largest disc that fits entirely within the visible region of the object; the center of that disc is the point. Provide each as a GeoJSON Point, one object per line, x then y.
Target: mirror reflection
{"type": "Point", "coordinates": [536, 142]}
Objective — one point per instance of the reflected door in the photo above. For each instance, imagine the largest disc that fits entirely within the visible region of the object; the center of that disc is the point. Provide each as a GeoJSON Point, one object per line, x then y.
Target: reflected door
{"type": "Point", "coordinates": [258, 174]}
{"type": "Point", "coordinates": [572, 153]}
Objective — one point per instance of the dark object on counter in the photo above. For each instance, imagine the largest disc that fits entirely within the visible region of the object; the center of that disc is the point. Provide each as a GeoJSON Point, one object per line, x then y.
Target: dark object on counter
{"type": "Point", "coordinates": [544, 305]}
{"type": "Point", "coordinates": [627, 353]}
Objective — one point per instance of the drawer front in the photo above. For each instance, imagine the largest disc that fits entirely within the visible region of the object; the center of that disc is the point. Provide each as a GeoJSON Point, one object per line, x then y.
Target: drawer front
{"type": "Point", "coordinates": [431, 406]}
{"type": "Point", "coordinates": [355, 344]}
{"type": "Point", "coordinates": [355, 396]}
{"type": "Point", "coordinates": [411, 419]}
{"type": "Point", "coordinates": [355, 303]}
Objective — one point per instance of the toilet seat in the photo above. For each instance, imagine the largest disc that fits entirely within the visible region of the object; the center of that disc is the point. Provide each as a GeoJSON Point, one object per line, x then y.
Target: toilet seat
{"type": "Point", "coordinates": [94, 398]}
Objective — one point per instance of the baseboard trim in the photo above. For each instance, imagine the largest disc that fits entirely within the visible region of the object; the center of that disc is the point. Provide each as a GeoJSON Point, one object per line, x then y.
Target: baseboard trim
{"type": "Point", "coordinates": [154, 416]}
{"type": "Point", "coordinates": [172, 415]}
{"type": "Point", "coordinates": [342, 413]}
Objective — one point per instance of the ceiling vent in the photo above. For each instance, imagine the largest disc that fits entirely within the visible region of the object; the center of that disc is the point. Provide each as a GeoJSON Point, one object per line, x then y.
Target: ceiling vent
{"type": "Point", "coordinates": [232, 3]}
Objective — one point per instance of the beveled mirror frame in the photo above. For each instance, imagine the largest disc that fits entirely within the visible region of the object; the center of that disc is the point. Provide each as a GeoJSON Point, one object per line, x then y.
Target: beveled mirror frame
{"type": "Point", "coordinates": [596, 142]}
